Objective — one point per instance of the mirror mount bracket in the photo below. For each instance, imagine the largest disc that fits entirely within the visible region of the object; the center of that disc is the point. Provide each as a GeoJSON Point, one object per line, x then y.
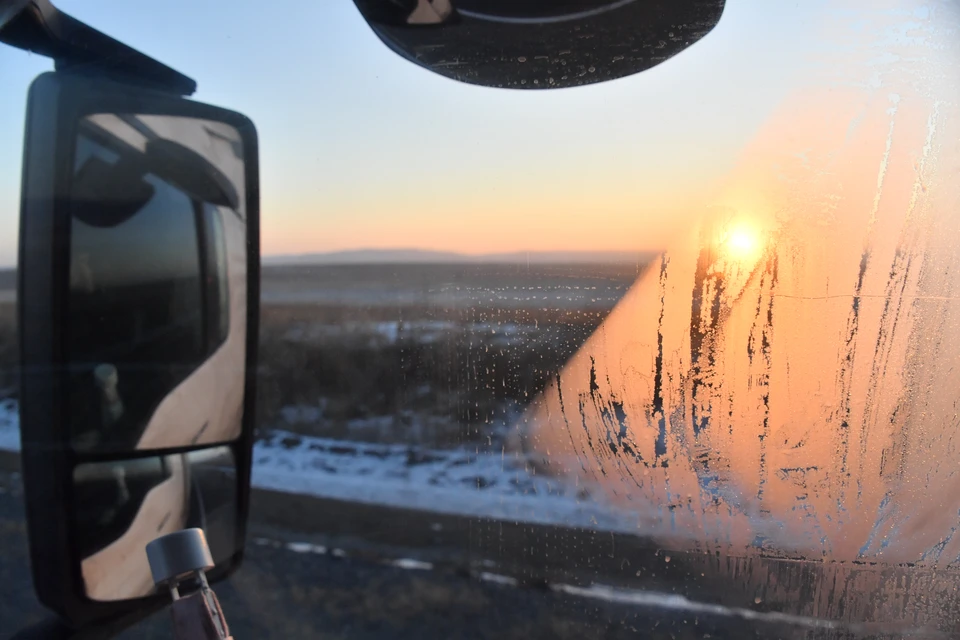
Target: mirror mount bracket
{"type": "Point", "coordinates": [39, 27]}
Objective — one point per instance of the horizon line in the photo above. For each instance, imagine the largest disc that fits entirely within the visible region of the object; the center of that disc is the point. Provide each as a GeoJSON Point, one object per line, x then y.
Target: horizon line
{"type": "Point", "coordinates": [409, 253]}
{"type": "Point", "coordinates": [434, 255]}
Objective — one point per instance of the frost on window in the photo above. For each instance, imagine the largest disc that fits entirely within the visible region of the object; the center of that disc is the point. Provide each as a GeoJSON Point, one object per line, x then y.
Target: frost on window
{"type": "Point", "coordinates": [785, 379]}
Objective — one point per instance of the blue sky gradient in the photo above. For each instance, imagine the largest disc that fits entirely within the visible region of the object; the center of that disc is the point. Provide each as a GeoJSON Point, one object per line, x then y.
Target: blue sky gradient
{"type": "Point", "coordinates": [360, 148]}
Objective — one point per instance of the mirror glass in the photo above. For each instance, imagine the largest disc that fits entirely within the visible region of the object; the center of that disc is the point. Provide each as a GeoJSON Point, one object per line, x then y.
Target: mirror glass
{"type": "Point", "coordinates": [121, 505]}
{"type": "Point", "coordinates": [155, 328]}
{"type": "Point", "coordinates": [539, 44]}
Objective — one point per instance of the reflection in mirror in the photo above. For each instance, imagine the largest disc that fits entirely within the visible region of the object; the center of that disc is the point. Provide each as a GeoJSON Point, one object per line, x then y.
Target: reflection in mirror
{"type": "Point", "coordinates": [122, 505]}
{"type": "Point", "coordinates": [156, 325]}
{"type": "Point", "coordinates": [412, 13]}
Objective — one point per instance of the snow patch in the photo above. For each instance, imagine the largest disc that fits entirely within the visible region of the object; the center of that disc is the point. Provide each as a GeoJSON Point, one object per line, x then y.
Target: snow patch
{"type": "Point", "coordinates": [410, 563]}
{"type": "Point", "coordinates": [266, 542]}
{"type": "Point", "coordinates": [679, 603]}
{"type": "Point", "coordinates": [461, 482]}
{"type": "Point", "coordinates": [485, 484]}
{"type": "Point", "coordinates": [486, 576]}
{"type": "Point", "coordinates": [306, 547]}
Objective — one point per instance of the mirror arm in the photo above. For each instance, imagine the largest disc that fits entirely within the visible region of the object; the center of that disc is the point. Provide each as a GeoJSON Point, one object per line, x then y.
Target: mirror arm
{"type": "Point", "coordinates": [39, 27]}
{"type": "Point", "coordinates": [198, 616]}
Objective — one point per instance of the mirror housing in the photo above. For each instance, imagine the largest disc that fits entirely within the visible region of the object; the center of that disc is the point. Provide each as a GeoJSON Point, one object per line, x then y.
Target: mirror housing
{"type": "Point", "coordinates": [154, 463]}
{"type": "Point", "coordinates": [539, 44]}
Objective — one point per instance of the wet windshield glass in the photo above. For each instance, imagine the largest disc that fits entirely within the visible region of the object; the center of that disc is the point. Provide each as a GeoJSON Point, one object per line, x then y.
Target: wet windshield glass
{"type": "Point", "coordinates": [680, 347]}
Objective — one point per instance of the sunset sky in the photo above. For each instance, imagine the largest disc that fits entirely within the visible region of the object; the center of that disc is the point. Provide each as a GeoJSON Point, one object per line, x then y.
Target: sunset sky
{"type": "Point", "coordinates": [361, 149]}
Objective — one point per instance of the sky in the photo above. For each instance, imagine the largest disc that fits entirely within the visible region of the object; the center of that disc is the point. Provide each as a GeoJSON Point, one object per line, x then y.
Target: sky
{"type": "Point", "coordinates": [362, 149]}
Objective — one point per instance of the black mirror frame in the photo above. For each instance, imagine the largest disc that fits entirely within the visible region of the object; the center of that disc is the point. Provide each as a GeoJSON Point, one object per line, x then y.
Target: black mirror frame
{"type": "Point", "coordinates": [55, 102]}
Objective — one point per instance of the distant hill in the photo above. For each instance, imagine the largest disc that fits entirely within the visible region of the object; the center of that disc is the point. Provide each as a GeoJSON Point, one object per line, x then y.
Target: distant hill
{"type": "Point", "coordinates": [420, 256]}
{"type": "Point", "coordinates": [366, 256]}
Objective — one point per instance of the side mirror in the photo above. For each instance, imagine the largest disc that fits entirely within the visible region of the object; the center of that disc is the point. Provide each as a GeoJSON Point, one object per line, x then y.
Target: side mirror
{"type": "Point", "coordinates": [539, 44]}
{"type": "Point", "coordinates": [138, 304]}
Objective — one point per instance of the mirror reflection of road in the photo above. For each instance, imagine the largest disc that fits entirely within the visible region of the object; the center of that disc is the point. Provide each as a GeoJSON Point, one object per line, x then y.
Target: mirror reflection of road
{"type": "Point", "coordinates": [289, 588]}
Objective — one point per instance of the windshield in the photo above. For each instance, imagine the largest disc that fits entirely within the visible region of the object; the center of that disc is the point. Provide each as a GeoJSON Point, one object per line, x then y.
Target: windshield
{"type": "Point", "coordinates": [673, 355]}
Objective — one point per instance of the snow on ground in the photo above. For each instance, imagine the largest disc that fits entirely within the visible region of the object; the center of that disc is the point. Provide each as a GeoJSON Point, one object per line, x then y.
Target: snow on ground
{"type": "Point", "coordinates": [411, 564]}
{"type": "Point", "coordinates": [454, 481]}
{"type": "Point", "coordinates": [672, 601]}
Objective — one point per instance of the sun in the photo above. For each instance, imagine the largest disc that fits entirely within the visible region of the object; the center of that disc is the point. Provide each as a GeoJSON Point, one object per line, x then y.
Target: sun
{"type": "Point", "coordinates": [742, 242]}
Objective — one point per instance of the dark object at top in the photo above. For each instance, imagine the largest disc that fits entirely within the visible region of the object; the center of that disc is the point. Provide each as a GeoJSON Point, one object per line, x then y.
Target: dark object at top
{"type": "Point", "coordinates": [539, 44]}
{"type": "Point", "coordinates": [39, 27]}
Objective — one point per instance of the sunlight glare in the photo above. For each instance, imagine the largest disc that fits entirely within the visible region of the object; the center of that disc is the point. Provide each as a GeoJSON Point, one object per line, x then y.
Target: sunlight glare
{"type": "Point", "coordinates": [742, 242]}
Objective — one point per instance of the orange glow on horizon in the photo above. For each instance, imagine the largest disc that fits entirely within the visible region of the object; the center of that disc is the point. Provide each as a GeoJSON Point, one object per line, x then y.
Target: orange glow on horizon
{"type": "Point", "coordinates": [500, 215]}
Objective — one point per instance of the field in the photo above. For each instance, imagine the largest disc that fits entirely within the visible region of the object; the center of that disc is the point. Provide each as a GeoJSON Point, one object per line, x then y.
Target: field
{"type": "Point", "coordinates": [438, 355]}
{"type": "Point", "coordinates": [435, 355]}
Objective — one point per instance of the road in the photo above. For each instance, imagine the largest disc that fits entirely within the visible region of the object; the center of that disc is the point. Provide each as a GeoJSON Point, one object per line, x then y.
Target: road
{"type": "Point", "coordinates": [297, 586]}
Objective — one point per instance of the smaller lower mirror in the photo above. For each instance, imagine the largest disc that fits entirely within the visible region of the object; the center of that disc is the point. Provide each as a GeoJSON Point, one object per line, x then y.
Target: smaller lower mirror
{"type": "Point", "coordinates": [121, 505]}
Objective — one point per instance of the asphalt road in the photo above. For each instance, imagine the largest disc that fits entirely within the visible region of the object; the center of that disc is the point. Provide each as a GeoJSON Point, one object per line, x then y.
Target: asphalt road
{"type": "Point", "coordinates": [312, 586]}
